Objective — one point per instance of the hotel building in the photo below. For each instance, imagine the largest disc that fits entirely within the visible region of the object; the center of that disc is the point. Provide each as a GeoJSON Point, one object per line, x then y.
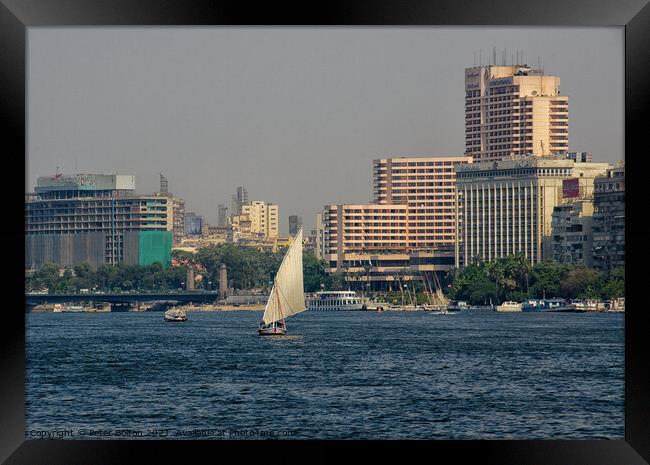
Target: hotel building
{"type": "Point", "coordinates": [97, 219]}
{"type": "Point", "coordinates": [514, 110]}
{"type": "Point", "coordinates": [508, 205]}
{"type": "Point", "coordinates": [413, 210]}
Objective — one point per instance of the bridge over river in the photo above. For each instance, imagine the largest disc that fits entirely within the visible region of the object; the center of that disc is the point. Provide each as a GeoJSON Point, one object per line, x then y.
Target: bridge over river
{"type": "Point", "coordinates": [186, 297]}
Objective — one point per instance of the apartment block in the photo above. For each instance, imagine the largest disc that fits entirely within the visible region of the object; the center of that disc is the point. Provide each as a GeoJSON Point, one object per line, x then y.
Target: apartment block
{"type": "Point", "coordinates": [609, 220]}
{"type": "Point", "coordinates": [176, 213]}
{"type": "Point", "coordinates": [572, 232]}
{"type": "Point", "coordinates": [258, 220]}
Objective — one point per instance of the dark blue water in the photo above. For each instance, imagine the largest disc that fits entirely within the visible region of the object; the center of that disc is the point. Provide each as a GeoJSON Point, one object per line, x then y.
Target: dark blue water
{"type": "Point", "coordinates": [469, 375]}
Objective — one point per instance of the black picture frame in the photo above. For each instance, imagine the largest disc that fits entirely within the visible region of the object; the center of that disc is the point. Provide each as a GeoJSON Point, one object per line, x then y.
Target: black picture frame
{"type": "Point", "coordinates": [18, 15]}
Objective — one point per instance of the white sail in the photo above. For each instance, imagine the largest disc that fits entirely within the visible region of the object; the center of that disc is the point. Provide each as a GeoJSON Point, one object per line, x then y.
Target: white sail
{"type": "Point", "coordinates": [287, 295]}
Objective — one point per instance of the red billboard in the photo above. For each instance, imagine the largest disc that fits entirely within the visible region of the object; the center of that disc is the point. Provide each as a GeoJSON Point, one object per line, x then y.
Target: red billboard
{"type": "Point", "coordinates": [570, 188]}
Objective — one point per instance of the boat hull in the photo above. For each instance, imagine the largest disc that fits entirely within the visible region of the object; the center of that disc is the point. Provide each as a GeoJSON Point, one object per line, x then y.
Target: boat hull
{"type": "Point", "coordinates": [272, 331]}
{"type": "Point", "coordinates": [508, 309]}
{"type": "Point", "coordinates": [176, 319]}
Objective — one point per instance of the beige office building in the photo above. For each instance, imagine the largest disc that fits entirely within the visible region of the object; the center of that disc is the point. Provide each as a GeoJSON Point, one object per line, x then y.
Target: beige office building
{"type": "Point", "coordinates": [514, 110]}
{"type": "Point", "coordinates": [413, 210]}
{"type": "Point", "coordinates": [508, 205]}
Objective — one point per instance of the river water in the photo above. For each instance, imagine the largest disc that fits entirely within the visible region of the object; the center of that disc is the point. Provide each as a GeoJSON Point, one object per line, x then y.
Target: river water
{"type": "Point", "coordinates": [357, 375]}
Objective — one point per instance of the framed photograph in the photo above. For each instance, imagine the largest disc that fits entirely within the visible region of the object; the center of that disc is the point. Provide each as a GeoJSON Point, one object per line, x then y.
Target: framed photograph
{"type": "Point", "coordinates": [376, 225]}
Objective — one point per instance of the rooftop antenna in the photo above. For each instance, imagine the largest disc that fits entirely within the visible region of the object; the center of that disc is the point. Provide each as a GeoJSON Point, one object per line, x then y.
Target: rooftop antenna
{"type": "Point", "coordinates": [494, 55]}
{"type": "Point", "coordinates": [474, 57]}
{"type": "Point", "coordinates": [480, 59]}
{"type": "Point", "coordinates": [163, 184]}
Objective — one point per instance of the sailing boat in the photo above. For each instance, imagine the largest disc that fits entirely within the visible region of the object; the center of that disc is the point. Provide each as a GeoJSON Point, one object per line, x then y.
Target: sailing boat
{"type": "Point", "coordinates": [287, 294]}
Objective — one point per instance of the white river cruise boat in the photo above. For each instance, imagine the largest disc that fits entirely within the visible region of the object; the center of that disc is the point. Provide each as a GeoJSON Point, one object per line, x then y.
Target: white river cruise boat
{"type": "Point", "coordinates": [335, 300]}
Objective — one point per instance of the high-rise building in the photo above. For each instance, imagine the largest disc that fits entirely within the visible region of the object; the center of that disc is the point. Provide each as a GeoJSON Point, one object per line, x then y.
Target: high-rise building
{"type": "Point", "coordinates": [97, 219]}
{"type": "Point", "coordinates": [193, 224]}
{"type": "Point", "coordinates": [295, 223]}
{"type": "Point", "coordinates": [239, 200]}
{"type": "Point", "coordinates": [508, 205]}
{"type": "Point", "coordinates": [413, 210]}
{"type": "Point", "coordinates": [222, 215]}
{"type": "Point", "coordinates": [609, 220]}
{"type": "Point", "coordinates": [514, 110]}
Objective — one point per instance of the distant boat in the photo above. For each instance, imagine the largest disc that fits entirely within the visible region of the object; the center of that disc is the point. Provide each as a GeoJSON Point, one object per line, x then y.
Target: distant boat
{"type": "Point", "coordinates": [175, 314]}
{"type": "Point", "coordinates": [509, 306]}
{"type": "Point", "coordinates": [287, 296]}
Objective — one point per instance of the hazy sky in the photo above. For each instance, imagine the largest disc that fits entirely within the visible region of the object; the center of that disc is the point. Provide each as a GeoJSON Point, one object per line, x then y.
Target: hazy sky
{"type": "Point", "coordinates": [294, 114]}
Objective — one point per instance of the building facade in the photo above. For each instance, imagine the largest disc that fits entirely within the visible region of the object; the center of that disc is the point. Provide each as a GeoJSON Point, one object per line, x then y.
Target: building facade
{"type": "Point", "coordinates": [514, 110]}
{"type": "Point", "coordinates": [97, 219]}
{"type": "Point", "coordinates": [318, 236]}
{"type": "Point", "coordinates": [572, 232]}
{"type": "Point", "coordinates": [580, 157]}
{"type": "Point", "coordinates": [239, 200]}
{"type": "Point", "coordinates": [193, 224]}
{"type": "Point", "coordinates": [609, 220]}
{"type": "Point", "coordinates": [508, 205]}
{"type": "Point", "coordinates": [413, 211]}
{"type": "Point", "coordinates": [258, 220]}
{"type": "Point", "coordinates": [176, 213]}
{"type": "Point", "coordinates": [295, 223]}
{"type": "Point", "coordinates": [222, 215]}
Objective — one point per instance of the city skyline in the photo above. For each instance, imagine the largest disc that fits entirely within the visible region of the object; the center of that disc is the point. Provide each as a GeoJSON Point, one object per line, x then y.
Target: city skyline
{"type": "Point", "coordinates": [264, 108]}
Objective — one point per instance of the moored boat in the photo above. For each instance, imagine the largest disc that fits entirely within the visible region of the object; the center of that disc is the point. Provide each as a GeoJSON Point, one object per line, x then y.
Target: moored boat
{"type": "Point", "coordinates": [545, 305]}
{"type": "Point", "coordinates": [509, 306]}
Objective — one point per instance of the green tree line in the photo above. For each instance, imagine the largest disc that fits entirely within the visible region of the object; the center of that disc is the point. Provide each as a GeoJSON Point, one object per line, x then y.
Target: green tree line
{"type": "Point", "coordinates": [514, 278]}
{"type": "Point", "coordinates": [247, 268]}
